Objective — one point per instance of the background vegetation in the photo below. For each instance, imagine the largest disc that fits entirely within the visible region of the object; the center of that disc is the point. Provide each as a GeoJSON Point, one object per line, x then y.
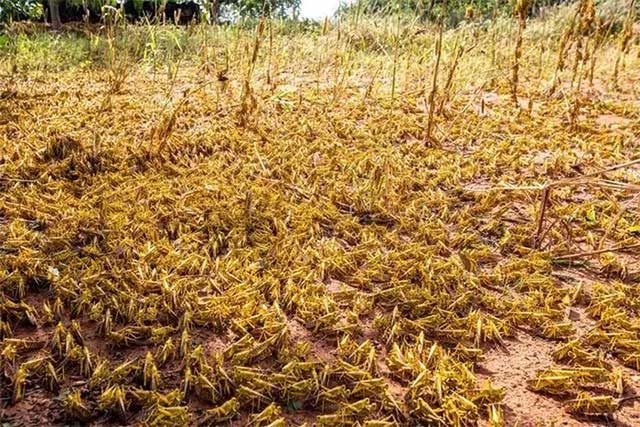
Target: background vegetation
{"type": "Point", "coordinates": [223, 9]}
{"type": "Point", "coordinates": [455, 11]}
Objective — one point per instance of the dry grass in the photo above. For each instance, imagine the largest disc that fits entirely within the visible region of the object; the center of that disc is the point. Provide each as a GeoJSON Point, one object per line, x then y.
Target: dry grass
{"type": "Point", "coordinates": [263, 235]}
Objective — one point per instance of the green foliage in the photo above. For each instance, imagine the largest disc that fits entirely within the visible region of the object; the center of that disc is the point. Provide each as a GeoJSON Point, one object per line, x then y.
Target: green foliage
{"type": "Point", "coordinates": [454, 11]}
{"type": "Point", "coordinates": [253, 8]}
{"type": "Point", "coordinates": [46, 52]}
{"type": "Point", "coordinates": [227, 9]}
{"type": "Point", "coordinates": [431, 10]}
{"type": "Point", "coordinates": [20, 9]}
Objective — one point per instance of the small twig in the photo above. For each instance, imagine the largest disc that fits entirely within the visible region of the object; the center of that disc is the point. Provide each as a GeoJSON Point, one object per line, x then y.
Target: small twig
{"type": "Point", "coordinates": [543, 208]}
{"type": "Point", "coordinates": [583, 179]}
{"type": "Point", "coordinates": [508, 188]}
{"type": "Point", "coordinates": [569, 233]}
{"type": "Point", "coordinates": [623, 186]}
{"type": "Point", "coordinates": [628, 398]}
{"type": "Point", "coordinates": [255, 148]}
{"type": "Point", "coordinates": [8, 179]}
{"type": "Point", "coordinates": [547, 230]}
{"type": "Point", "coordinates": [598, 252]}
{"type": "Point", "coordinates": [546, 190]}
{"type": "Point", "coordinates": [434, 81]}
{"type": "Point", "coordinates": [594, 174]}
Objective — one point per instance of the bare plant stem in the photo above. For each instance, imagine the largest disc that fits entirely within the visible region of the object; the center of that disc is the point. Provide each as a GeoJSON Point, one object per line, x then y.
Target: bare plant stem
{"type": "Point", "coordinates": [562, 50]}
{"type": "Point", "coordinates": [452, 70]}
{"type": "Point", "coordinates": [247, 99]}
{"type": "Point", "coordinates": [598, 252]}
{"type": "Point", "coordinates": [625, 38]}
{"type": "Point", "coordinates": [396, 53]}
{"type": "Point", "coordinates": [546, 192]}
{"type": "Point", "coordinates": [434, 81]}
{"type": "Point", "coordinates": [517, 52]}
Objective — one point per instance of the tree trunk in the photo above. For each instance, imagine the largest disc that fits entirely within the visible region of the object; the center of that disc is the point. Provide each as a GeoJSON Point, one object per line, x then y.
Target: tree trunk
{"type": "Point", "coordinates": [214, 12]}
{"type": "Point", "coordinates": [54, 11]}
{"type": "Point", "coordinates": [87, 13]}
